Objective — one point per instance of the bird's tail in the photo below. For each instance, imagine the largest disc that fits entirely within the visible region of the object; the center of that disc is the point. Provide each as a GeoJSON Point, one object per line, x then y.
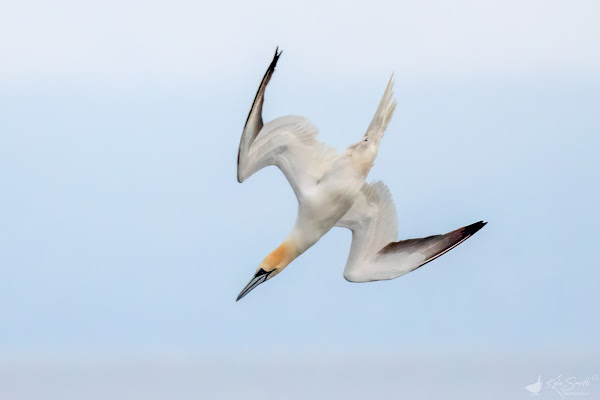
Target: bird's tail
{"type": "Point", "coordinates": [384, 113]}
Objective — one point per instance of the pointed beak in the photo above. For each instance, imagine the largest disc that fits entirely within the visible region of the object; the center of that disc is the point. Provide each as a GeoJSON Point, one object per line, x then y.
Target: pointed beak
{"type": "Point", "coordinates": [259, 278]}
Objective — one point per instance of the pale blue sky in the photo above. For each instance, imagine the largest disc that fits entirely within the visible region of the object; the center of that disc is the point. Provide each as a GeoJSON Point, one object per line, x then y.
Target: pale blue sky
{"type": "Point", "coordinates": [124, 232]}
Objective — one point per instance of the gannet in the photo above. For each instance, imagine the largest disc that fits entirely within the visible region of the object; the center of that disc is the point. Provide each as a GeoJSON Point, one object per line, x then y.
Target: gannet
{"type": "Point", "coordinates": [332, 192]}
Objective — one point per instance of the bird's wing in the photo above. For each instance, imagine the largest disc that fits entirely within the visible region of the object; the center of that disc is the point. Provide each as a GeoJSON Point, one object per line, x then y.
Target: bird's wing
{"type": "Point", "coordinates": [254, 122]}
{"type": "Point", "coordinates": [288, 142]}
{"type": "Point", "coordinates": [383, 114]}
{"type": "Point", "coordinates": [374, 253]}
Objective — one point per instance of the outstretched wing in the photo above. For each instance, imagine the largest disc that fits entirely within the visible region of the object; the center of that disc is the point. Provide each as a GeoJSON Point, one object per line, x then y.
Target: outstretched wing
{"type": "Point", "coordinates": [374, 253]}
{"type": "Point", "coordinates": [254, 122]}
{"type": "Point", "coordinates": [288, 142]}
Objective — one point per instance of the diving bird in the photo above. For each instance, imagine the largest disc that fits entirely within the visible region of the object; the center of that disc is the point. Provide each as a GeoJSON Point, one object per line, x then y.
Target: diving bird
{"type": "Point", "coordinates": [332, 192]}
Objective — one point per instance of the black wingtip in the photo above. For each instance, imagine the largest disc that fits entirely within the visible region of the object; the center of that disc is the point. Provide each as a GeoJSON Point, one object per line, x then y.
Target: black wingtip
{"type": "Point", "coordinates": [275, 58]}
{"type": "Point", "coordinates": [471, 229]}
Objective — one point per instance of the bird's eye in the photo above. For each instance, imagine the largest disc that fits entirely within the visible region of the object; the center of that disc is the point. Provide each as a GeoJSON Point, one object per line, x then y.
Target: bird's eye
{"type": "Point", "coordinates": [366, 140]}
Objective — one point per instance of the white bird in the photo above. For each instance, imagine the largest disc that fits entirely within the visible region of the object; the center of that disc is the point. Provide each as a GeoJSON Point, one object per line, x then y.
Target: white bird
{"type": "Point", "coordinates": [331, 191]}
{"type": "Point", "coordinates": [535, 388]}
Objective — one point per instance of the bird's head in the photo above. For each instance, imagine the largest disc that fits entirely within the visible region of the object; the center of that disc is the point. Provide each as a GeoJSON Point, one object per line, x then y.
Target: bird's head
{"type": "Point", "coordinates": [273, 264]}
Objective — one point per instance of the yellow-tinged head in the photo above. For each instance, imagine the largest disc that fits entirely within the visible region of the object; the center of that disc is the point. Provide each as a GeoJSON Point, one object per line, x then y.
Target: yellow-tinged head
{"type": "Point", "coordinates": [279, 258]}
{"type": "Point", "coordinates": [273, 264]}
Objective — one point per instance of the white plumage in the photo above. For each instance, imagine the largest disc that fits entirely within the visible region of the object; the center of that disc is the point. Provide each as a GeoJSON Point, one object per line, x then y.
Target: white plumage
{"type": "Point", "coordinates": [331, 191]}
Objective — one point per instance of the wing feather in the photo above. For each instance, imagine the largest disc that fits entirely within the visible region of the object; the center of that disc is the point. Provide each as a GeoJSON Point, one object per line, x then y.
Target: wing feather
{"type": "Point", "coordinates": [289, 142]}
{"type": "Point", "coordinates": [254, 121]}
{"type": "Point", "coordinates": [374, 253]}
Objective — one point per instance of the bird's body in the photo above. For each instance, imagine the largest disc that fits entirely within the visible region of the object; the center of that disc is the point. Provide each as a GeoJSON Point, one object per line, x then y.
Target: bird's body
{"type": "Point", "coordinates": [323, 204]}
{"type": "Point", "coordinates": [331, 191]}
